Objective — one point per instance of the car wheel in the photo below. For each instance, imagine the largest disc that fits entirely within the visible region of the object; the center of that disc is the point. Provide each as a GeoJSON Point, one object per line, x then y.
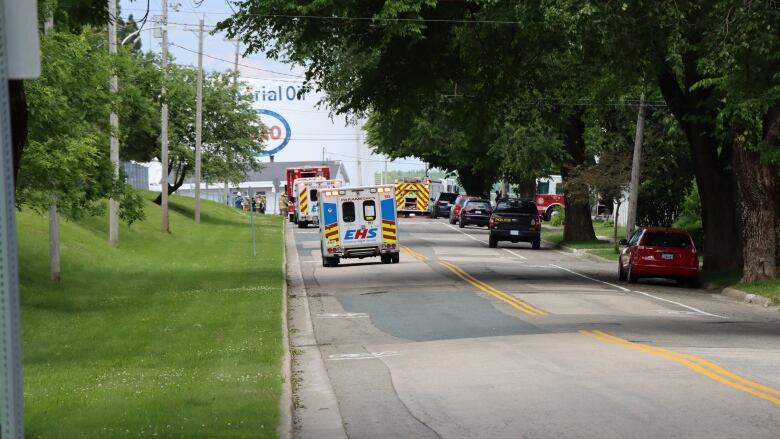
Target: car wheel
{"type": "Point", "coordinates": [396, 258]}
{"type": "Point", "coordinates": [433, 214]}
{"type": "Point", "coordinates": [536, 245]}
{"type": "Point", "coordinates": [451, 219]}
{"type": "Point", "coordinates": [621, 273]}
{"type": "Point", "coordinates": [632, 278]}
{"type": "Point", "coordinates": [492, 242]}
{"type": "Point", "coordinates": [461, 223]}
{"type": "Point", "coordinates": [386, 259]}
{"type": "Point", "coordinates": [302, 224]}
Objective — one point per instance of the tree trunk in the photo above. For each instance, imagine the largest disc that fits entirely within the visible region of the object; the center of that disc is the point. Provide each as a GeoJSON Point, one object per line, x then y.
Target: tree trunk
{"type": "Point", "coordinates": [474, 183]}
{"type": "Point", "coordinates": [758, 214]}
{"type": "Point", "coordinates": [18, 106]}
{"type": "Point", "coordinates": [175, 186]}
{"type": "Point", "coordinates": [771, 136]}
{"type": "Point", "coordinates": [526, 189]}
{"type": "Point", "coordinates": [54, 241]}
{"type": "Point", "coordinates": [696, 115]}
{"type": "Point", "coordinates": [578, 225]}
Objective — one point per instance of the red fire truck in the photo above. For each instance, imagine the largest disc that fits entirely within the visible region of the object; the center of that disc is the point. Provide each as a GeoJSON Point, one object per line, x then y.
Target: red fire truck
{"type": "Point", "coordinates": [301, 172]}
{"type": "Point", "coordinates": [549, 196]}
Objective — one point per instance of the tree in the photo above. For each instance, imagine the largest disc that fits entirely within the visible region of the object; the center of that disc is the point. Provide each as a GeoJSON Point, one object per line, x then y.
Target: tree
{"type": "Point", "coordinates": [232, 132]}
{"type": "Point", "coordinates": [66, 166]}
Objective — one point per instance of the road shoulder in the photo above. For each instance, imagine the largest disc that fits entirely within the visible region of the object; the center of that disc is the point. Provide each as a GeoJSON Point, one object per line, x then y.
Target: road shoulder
{"type": "Point", "coordinates": [316, 409]}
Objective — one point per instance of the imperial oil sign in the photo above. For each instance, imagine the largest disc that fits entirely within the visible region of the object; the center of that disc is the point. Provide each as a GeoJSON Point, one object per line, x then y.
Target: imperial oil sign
{"type": "Point", "coordinates": [278, 133]}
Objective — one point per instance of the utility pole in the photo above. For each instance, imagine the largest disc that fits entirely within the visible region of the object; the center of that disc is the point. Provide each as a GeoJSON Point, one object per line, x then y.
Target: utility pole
{"type": "Point", "coordinates": [323, 155]}
{"type": "Point", "coordinates": [113, 204]}
{"type": "Point", "coordinates": [384, 172]}
{"type": "Point", "coordinates": [235, 80]}
{"type": "Point", "coordinates": [164, 121]}
{"type": "Point", "coordinates": [198, 120]}
{"type": "Point", "coordinates": [359, 163]}
{"type": "Point", "coordinates": [634, 190]}
{"type": "Point", "coordinates": [54, 214]}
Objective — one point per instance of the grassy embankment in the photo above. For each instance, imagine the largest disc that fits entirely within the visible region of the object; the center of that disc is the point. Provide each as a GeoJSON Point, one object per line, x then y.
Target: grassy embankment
{"type": "Point", "coordinates": [770, 288]}
{"type": "Point", "coordinates": [166, 336]}
{"type": "Point", "coordinates": [600, 247]}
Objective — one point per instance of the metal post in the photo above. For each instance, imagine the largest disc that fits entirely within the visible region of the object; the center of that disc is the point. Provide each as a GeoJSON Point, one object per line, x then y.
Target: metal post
{"type": "Point", "coordinates": [634, 190]}
{"type": "Point", "coordinates": [11, 394]}
{"type": "Point", "coordinates": [164, 121]}
{"type": "Point", "coordinates": [198, 120]}
{"type": "Point", "coordinates": [252, 224]}
{"type": "Point", "coordinates": [113, 204]}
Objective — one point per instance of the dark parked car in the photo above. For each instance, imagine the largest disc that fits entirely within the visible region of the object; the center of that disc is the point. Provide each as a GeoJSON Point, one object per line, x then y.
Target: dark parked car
{"type": "Point", "coordinates": [475, 212]}
{"type": "Point", "coordinates": [443, 204]}
{"type": "Point", "coordinates": [455, 212]}
{"type": "Point", "coordinates": [659, 252]}
{"type": "Point", "coordinates": [515, 220]}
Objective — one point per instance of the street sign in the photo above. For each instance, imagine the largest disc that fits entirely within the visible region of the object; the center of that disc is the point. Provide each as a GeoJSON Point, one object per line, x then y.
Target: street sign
{"type": "Point", "coordinates": [21, 30]}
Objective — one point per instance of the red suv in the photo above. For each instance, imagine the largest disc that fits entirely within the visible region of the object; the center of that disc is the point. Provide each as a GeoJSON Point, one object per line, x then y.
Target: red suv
{"type": "Point", "coordinates": [458, 205]}
{"type": "Point", "coordinates": [659, 252]}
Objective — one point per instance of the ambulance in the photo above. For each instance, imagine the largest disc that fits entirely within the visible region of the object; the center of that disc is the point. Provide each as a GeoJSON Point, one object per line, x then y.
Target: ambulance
{"type": "Point", "coordinates": [303, 201]}
{"type": "Point", "coordinates": [358, 223]}
{"type": "Point", "coordinates": [314, 188]}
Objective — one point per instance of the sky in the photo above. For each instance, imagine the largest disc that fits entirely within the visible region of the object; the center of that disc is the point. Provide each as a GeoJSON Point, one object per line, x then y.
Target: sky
{"type": "Point", "coordinates": [299, 129]}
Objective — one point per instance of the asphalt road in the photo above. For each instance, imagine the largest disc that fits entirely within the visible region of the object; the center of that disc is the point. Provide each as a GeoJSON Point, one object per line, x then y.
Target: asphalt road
{"type": "Point", "coordinates": [463, 341]}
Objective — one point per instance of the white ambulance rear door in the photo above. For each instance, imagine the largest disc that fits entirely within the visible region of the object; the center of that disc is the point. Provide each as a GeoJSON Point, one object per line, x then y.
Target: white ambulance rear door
{"type": "Point", "coordinates": [359, 219]}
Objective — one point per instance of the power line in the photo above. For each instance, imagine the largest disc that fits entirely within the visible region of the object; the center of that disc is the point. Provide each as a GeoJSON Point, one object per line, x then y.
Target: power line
{"type": "Point", "coordinates": [242, 65]}
{"type": "Point", "coordinates": [367, 19]}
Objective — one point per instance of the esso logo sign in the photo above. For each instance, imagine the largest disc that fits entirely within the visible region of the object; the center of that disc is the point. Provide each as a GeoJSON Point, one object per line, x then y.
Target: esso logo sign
{"type": "Point", "coordinates": [277, 134]}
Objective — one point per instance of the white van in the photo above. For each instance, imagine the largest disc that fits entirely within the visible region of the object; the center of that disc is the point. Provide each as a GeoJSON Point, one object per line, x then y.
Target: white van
{"type": "Point", "coordinates": [304, 203]}
{"type": "Point", "coordinates": [357, 223]}
{"type": "Point", "coordinates": [315, 187]}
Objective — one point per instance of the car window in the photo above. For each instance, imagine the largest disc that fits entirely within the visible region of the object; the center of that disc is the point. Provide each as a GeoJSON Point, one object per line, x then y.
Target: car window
{"type": "Point", "coordinates": [477, 205]}
{"type": "Point", "coordinates": [369, 210]}
{"type": "Point", "coordinates": [516, 206]}
{"type": "Point", "coordinates": [543, 187]}
{"type": "Point", "coordinates": [634, 237]}
{"type": "Point", "coordinates": [666, 239]}
{"type": "Point", "coordinates": [348, 212]}
{"type": "Point", "coordinates": [448, 197]}
{"type": "Point", "coordinates": [313, 194]}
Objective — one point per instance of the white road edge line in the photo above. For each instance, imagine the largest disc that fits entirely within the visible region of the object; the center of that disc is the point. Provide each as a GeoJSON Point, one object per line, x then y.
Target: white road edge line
{"type": "Point", "coordinates": [626, 290]}
{"type": "Point", "coordinates": [519, 256]}
{"type": "Point", "coordinates": [363, 356]}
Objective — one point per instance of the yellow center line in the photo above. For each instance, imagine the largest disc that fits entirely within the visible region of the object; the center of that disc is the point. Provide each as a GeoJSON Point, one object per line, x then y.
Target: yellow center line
{"type": "Point", "coordinates": [419, 256]}
{"type": "Point", "coordinates": [498, 294]}
{"type": "Point", "coordinates": [697, 364]}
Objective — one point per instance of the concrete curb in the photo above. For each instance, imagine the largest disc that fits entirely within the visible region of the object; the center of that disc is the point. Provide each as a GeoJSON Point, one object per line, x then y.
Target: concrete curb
{"type": "Point", "coordinates": [747, 297]}
{"type": "Point", "coordinates": [285, 428]}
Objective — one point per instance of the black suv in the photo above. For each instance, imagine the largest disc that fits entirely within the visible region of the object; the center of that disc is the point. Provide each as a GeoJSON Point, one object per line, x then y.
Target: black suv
{"type": "Point", "coordinates": [442, 204]}
{"type": "Point", "coordinates": [515, 220]}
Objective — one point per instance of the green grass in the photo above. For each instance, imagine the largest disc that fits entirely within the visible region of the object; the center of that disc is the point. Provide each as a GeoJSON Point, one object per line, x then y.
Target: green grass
{"type": "Point", "coordinates": [604, 249]}
{"type": "Point", "coordinates": [606, 253]}
{"type": "Point", "coordinates": [166, 336]}
{"type": "Point", "coordinates": [603, 228]}
{"type": "Point", "coordinates": [770, 288]}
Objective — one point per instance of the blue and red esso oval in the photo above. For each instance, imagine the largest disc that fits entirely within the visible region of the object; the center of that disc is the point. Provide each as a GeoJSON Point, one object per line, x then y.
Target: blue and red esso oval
{"type": "Point", "coordinates": [277, 131]}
